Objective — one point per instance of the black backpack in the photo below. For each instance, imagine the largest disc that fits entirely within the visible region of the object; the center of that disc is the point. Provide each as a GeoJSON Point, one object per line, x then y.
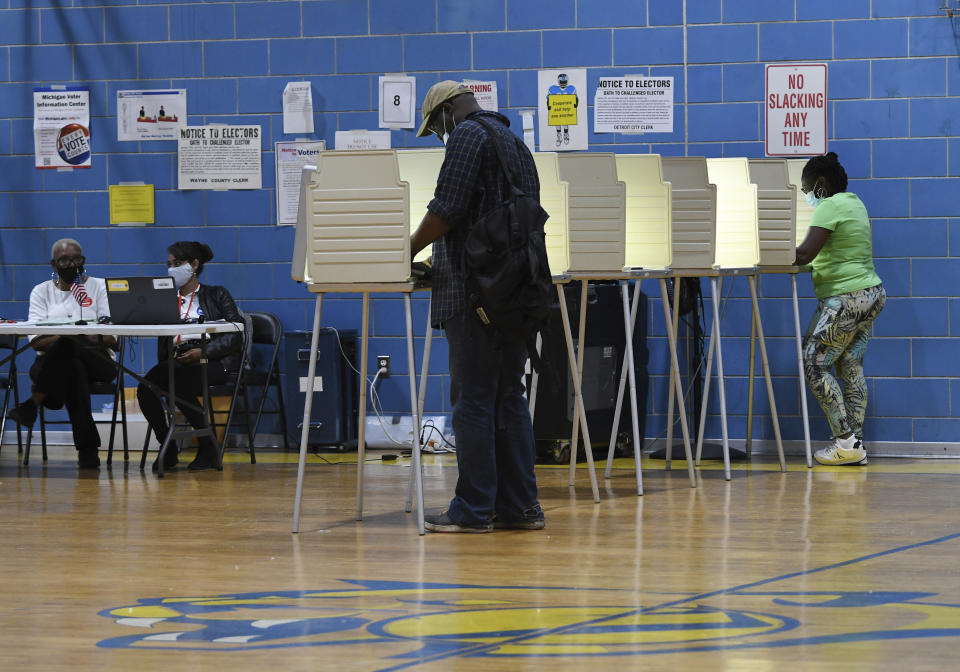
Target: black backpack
{"type": "Point", "coordinates": [507, 277]}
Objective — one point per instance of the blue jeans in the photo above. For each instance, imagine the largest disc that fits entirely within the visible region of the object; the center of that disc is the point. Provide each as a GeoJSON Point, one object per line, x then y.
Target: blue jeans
{"type": "Point", "coordinates": [491, 420]}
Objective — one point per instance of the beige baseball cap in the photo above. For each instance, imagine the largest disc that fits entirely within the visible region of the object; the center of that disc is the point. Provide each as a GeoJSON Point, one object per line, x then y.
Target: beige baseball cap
{"type": "Point", "coordinates": [438, 94]}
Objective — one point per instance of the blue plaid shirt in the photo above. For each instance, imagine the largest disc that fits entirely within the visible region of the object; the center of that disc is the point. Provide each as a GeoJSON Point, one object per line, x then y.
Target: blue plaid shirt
{"type": "Point", "coordinates": [470, 184]}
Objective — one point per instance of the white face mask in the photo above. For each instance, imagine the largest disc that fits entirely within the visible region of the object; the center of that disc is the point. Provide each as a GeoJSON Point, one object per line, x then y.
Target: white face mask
{"type": "Point", "coordinates": [446, 133]}
{"type": "Point", "coordinates": [181, 274]}
{"type": "Point", "coordinates": [812, 199]}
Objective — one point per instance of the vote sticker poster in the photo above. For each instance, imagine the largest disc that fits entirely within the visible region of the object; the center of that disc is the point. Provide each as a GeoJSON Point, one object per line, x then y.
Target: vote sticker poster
{"type": "Point", "coordinates": [796, 109]}
{"type": "Point", "coordinates": [61, 127]}
{"type": "Point", "coordinates": [563, 109]}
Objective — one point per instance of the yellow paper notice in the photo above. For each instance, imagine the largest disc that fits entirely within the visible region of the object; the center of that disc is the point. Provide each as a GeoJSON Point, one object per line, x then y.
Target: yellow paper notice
{"type": "Point", "coordinates": [131, 203]}
{"type": "Point", "coordinates": [562, 110]}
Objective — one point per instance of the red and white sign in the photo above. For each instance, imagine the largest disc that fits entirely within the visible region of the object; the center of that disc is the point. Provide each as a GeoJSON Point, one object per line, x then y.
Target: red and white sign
{"type": "Point", "coordinates": [796, 109]}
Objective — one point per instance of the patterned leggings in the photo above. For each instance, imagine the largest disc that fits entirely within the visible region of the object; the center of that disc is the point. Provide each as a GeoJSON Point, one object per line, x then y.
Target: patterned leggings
{"type": "Point", "coordinates": [837, 337]}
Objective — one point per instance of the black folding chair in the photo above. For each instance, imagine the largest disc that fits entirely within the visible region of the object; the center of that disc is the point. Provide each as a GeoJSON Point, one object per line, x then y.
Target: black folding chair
{"type": "Point", "coordinates": [8, 382]}
{"type": "Point", "coordinates": [112, 388]}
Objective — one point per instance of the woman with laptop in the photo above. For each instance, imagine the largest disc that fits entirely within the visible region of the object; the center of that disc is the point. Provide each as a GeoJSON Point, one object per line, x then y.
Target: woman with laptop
{"type": "Point", "coordinates": [198, 303]}
{"type": "Point", "coordinates": [64, 366]}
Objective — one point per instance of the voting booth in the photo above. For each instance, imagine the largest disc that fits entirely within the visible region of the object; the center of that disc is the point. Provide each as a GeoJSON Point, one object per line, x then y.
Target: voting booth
{"type": "Point", "coordinates": [353, 220]}
{"type": "Point", "coordinates": [693, 212]}
{"type": "Point", "coordinates": [597, 211]}
{"type": "Point", "coordinates": [737, 244]}
{"type": "Point", "coordinates": [648, 211]}
{"type": "Point", "coordinates": [776, 211]}
{"type": "Point", "coordinates": [420, 168]}
{"type": "Point", "coordinates": [554, 198]}
{"type": "Point", "coordinates": [804, 211]}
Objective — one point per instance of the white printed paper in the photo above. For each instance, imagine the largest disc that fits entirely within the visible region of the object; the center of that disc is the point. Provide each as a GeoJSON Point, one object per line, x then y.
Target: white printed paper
{"type": "Point", "coordinates": [291, 157]}
{"type": "Point", "coordinates": [219, 157]}
{"type": "Point", "coordinates": [151, 115]}
{"type": "Point", "coordinates": [563, 109]}
{"type": "Point", "coordinates": [358, 140]}
{"type": "Point", "coordinates": [397, 101]}
{"type": "Point", "coordinates": [633, 104]}
{"type": "Point", "coordinates": [61, 127]}
{"type": "Point", "coordinates": [297, 108]}
{"type": "Point", "coordinates": [485, 93]}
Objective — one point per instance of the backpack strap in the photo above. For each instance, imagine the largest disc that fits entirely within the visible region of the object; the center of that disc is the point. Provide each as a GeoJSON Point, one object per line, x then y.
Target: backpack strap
{"type": "Point", "coordinates": [492, 133]}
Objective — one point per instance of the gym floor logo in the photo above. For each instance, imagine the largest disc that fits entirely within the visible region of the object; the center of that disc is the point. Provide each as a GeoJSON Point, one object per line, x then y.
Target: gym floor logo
{"type": "Point", "coordinates": [431, 621]}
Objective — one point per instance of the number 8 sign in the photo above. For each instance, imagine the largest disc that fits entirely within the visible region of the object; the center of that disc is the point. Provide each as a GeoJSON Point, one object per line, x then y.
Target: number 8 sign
{"type": "Point", "coordinates": [398, 101]}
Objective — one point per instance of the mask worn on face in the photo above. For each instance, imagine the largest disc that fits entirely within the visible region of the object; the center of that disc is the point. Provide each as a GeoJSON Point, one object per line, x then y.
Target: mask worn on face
{"type": "Point", "coordinates": [446, 133]}
{"type": "Point", "coordinates": [181, 274]}
{"type": "Point", "coordinates": [69, 274]}
{"type": "Point", "coordinates": [812, 199]}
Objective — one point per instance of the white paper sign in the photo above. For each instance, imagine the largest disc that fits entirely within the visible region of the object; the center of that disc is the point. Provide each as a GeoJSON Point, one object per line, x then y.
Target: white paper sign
{"type": "Point", "coordinates": [398, 101]}
{"type": "Point", "coordinates": [219, 157]}
{"type": "Point", "coordinates": [796, 109]}
{"type": "Point", "coordinates": [563, 109]}
{"type": "Point", "coordinates": [633, 104]}
{"type": "Point", "coordinates": [61, 127]}
{"type": "Point", "coordinates": [359, 140]}
{"type": "Point", "coordinates": [151, 115]}
{"type": "Point", "coordinates": [529, 137]}
{"type": "Point", "coordinates": [291, 157]}
{"type": "Point", "coordinates": [485, 93]}
{"type": "Point", "coordinates": [297, 108]}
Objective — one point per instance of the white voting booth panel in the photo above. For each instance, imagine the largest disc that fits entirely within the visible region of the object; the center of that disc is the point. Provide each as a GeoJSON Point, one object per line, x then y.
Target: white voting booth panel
{"type": "Point", "coordinates": [353, 223]}
{"type": "Point", "coordinates": [648, 211]}
{"type": "Point", "coordinates": [776, 211]}
{"type": "Point", "coordinates": [554, 198]}
{"type": "Point", "coordinates": [737, 244]}
{"type": "Point", "coordinates": [693, 211]}
{"type": "Point", "coordinates": [420, 169]}
{"type": "Point", "coordinates": [597, 204]}
{"type": "Point", "coordinates": [804, 211]}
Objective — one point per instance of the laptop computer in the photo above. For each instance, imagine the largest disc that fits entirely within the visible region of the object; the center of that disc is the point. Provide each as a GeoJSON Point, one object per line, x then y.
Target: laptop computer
{"type": "Point", "coordinates": [143, 301]}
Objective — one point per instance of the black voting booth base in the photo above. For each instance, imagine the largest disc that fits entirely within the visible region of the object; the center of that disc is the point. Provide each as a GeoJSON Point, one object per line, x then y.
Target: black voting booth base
{"type": "Point", "coordinates": [603, 360]}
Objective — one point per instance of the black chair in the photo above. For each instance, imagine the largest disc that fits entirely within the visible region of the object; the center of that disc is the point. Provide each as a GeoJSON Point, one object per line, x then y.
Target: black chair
{"type": "Point", "coordinates": [8, 382]}
{"type": "Point", "coordinates": [112, 388]}
{"type": "Point", "coordinates": [267, 331]}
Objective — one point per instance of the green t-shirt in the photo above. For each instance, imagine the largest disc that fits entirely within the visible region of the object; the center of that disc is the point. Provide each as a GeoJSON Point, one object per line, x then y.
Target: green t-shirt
{"type": "Point", "coordinates": [845, 263]}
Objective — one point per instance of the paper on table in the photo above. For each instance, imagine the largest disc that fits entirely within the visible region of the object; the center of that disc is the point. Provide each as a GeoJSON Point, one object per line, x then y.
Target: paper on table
{"type": "Point", "coordinates": [297, 108]}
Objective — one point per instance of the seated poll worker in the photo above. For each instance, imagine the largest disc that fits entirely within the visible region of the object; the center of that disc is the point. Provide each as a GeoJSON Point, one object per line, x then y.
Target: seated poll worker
{"type": "Point", "coordinates": [849, 298]}
{"type": "Point", "coordinates": [198, 302]}
{"type": "Point", "coordinates": [495, 447]}
{"type": "Point", "coordinates": [65, 366]}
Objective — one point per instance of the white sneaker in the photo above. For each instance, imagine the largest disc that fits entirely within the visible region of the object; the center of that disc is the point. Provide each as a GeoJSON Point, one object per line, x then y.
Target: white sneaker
{"type": "Point", "coordinates": [842, 452]}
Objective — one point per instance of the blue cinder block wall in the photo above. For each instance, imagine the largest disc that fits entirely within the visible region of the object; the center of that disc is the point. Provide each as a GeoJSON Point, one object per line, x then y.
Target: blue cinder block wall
{"type": "Point", "coordinates": [894, 82]}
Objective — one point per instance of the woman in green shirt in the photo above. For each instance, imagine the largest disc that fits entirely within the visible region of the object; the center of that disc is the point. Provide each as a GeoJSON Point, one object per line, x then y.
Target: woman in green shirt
{"type": "Point", "coordinates": [850, 295]}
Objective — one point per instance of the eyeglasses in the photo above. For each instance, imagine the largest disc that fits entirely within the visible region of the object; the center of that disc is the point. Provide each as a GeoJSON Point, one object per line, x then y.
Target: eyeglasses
{"type": "Point", "coordinates": [65, 261]}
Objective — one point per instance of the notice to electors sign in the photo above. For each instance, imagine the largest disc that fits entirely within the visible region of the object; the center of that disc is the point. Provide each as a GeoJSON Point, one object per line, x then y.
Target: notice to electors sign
{"type": "Point", "coordinates": [633, 104]}
{"type": "Point", "coordinates": [219, 157]}
{"type": "Point", "coordinates": [796, 109]}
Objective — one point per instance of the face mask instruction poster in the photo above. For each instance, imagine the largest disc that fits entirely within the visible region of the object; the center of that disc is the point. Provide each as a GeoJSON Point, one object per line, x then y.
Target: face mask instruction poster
{"type": "Point", "coordinates": [291, 157]}
{"type": "Point", "coordinates": [219, 157]}
{"type": "Point", "coordinates": [61, 127]}
{"type": "Point", "coordinates": [151, 115]}
{"type": "Point", "coordinates": [563, 119]}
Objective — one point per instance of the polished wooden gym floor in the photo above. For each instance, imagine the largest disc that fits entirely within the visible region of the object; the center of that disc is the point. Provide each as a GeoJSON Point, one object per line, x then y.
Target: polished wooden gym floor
{"type": "Point", "coordinates": [820, 569]}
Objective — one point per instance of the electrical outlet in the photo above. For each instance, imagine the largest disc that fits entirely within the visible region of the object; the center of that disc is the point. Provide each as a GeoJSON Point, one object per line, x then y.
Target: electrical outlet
{"type": "Point", "coordinates": [383, 362]}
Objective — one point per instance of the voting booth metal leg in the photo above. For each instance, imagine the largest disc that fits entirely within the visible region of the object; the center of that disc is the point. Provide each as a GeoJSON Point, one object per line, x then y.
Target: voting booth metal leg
{"type": "Point", "coordinates": [622, 390]}
{"type": "Point", "coordinates": [628, 328]}
{"type": "Point", "coordinates": [751, 376]}
{"type": "Point", "coordinates": [716, 341]}
{"type": "Point", "coordinates": [578, 393]}
{"type": "Point", "coordinates": [800, 374]}
{"type": "Point", "coordinates": [362, 413]}
{"type": "Point", "coordinates": [714, 337]}
{"type": "Point", "coordinates": [752, 279]}
{"type": "Point", "coordinates": [576, 411]}
{"type": "Point", "coordinates": [534, 381]}
{"type": "Point", "coordinates": [675, 366]}
{"type": "Point", "coordinates": [415, 412]}
{"type": "Point", "coordinates": [307, 409]}
{"type": "Point", "coordinates": [678, 388]}
{"type": "Point", "coordinates": [427, 344]}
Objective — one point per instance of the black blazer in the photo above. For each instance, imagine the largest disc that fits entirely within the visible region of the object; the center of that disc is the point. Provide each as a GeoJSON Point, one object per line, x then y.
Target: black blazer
{"type": "Point", "coordinates": [216, 304]}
